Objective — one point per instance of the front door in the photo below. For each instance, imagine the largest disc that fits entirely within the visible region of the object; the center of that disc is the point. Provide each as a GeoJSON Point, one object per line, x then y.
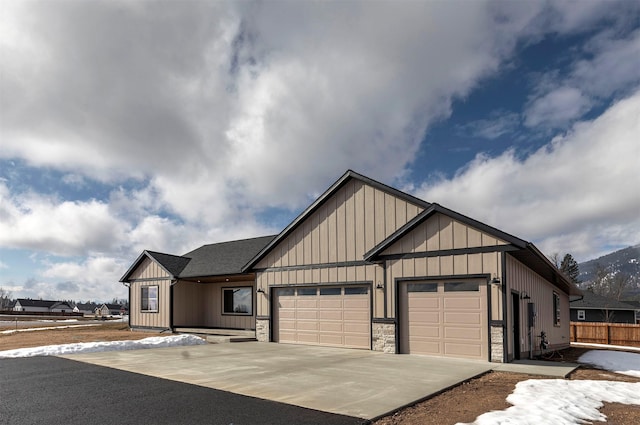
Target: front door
{"type": "Point", "coordinates": [515, 302]}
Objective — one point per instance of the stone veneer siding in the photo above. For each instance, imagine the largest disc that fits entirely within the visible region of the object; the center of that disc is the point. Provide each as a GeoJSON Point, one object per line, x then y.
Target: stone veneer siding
{"type": "Point", "coordinates": [497, 343]}
{"type": "Point", "coordinates": [262, 330]}
{"type": "Point", "coordinates": [384, 337]}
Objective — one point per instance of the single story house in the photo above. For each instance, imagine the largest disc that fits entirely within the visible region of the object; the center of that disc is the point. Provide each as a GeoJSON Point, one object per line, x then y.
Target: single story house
{"type": "Point", "coordinates": [42, 306]}
{"type": "Point", "coordinates": [596, 308]}
{"type": "Point", "coordinates": [85, 308]}
{"type": "Point", "coordinates": [109, 310]}
{"type": "Point", "coordinates": [365, 266]}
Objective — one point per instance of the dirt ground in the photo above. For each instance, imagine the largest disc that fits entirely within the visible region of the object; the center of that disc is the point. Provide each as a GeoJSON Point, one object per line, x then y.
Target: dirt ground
{"type": "Point", "coordinates": [107, 331]}
{"type": "Point", "coordinates": [460, 404]}
{"type": "Point", "coordinates": [469, 400]}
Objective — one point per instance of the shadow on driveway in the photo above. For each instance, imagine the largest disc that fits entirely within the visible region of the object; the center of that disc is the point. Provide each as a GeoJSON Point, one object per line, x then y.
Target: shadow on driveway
{"type": "Point", "coordinates": [50, 390]}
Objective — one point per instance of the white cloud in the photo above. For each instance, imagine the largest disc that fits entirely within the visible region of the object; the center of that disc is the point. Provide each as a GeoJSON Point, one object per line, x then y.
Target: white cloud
{"type": "Point", "coordinates": [245, 105]}
{"type": "Point", "coordinates": [610, 69]}
{"type": "Point", "coordinates": [499, 123]}
{"type": "Point", "coordinates": [569, 196]}
{"type": "Point", "coordinates": [558, 107]}
{"type": "Point", "coordinates": [37, 222]}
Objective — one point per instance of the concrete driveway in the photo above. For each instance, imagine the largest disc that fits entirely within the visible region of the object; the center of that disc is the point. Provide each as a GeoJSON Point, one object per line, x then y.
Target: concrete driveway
{"type": "Point", "coordinates": [357, 383]}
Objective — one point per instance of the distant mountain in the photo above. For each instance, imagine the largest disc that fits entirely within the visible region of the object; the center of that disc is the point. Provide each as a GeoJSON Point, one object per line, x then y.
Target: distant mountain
{"type": "Point", "coordinates": [626, 260]}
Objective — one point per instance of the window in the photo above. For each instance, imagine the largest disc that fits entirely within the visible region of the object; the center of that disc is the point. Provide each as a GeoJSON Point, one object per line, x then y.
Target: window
{"type": "Point", "coordinates": [149, 298]}
{"type": "Point", "coordinates": [330, 291]}
{"type": "Point", "coordinates": [237, 300]}
{"type": "Point", "coordinates": [358, 290]}
{"type": "Point", "coordinates": [556, 309]}
{"type": "Point", "coordinates": [461, 287]}
{"type": "Point", "coordinates": [422, 287]}
{"type": "Point", "coordinates": [581, 315]}
{"type": "Point", "coordinates": [307, 291]}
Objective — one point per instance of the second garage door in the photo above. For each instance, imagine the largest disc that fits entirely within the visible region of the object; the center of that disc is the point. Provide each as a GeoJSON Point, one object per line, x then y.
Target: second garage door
{"type": "Point", "coordinates": [332, 316]}
{"type": "Point", "coordinates": [444, 319]}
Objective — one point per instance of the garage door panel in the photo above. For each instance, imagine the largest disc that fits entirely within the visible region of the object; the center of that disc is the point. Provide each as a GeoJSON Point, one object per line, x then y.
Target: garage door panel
{"type": "Point", "coordinates": [463, 350]}
{"type": "Point", "coordinates": [309, 338]}
{"type": "Point", "coordinates": [325, 316]}
{"type": "Point", "coordinates": [330, 302]}
{"type": "Point", "coordinates": [462, 303]}
{"type": "Point", "coordinates": [424, 317]}
{"type": "Point", "coordinates": [425, 331]}
{"type": "Point", "coordinates": [306, 326]}
{"type": "Point", "coordinates": [420, 301]}
{"type": "Point", "coordinates": [356, 302]}
{"type": "Point", "coordinates": [356, 341]}
{"type": "Point", "coordinates": [331, 314]}
{"type": "Point", "coordinates": [331, 339]}
{"type": "Point", "coordinates": [357, 328]}
{"type": "Point", "coordinates": [425, 347]}
{"type": "Point", "coordinates": [286, 302]}
{"type": "Point", "coordinates": [463, 333]}
{"type": "Point", "coordinates": [331, 326]}
{"type": "Point", "coordinates": [461, 318]}
{"type": "Point", "coordinates": [363, 315]}
{"type": "Point", "coordinates": [306, 314]}
{"type": "Point", "coordinates": [306, 302]}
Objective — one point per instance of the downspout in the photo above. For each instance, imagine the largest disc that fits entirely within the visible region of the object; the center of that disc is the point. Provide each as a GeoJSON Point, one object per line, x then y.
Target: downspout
{"type": "Point", "coordinates": [505, 321]}
{"type": "Point", "coordinates": [173, 282]}
{"type": "Point", "coordinates": [384, 288]}
{"type": "Point", "coordinates": [129, 291]}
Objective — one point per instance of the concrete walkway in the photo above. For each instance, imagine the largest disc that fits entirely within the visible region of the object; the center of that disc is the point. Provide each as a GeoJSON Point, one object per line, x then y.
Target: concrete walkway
{"type": "Point", "coordinates": [357, 383]}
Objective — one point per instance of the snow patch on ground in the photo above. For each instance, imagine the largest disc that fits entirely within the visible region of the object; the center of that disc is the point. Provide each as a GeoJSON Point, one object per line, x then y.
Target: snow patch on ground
{"type": "Point", "coordinates": [94, 347]}
{"type": "Point", "coordinates": [605, 346]}
{"type": "Point", "coordinates": [561, 402]}
{"type": "Point", "coordinates": [615, 361]}
{"type": "Point", "coordinates": [564, 402]}
{"type": "Point", "coordinates": [46, 328]}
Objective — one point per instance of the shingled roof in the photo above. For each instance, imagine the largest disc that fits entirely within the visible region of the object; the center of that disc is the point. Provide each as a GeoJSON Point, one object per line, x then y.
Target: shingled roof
{"type": "Point", "coordinates": [218, 259]}
{"type": "Point", "coordinates": [223, 258]}
{"type": "Point", "coordinates": [593, 301]}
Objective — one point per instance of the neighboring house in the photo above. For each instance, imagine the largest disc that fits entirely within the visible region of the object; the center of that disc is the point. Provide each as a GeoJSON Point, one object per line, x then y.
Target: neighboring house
{"type": "Point", "coordinates": [365, 266]}
{"type": "Point", "coordinates": [86, 308]}
{"type": "Point", "coordinates": [42, 306]}
{"type": "Point", "coordinates": [595, 308]}
{"type": "Point", "coordinates": [636, 304]}
{"type": "Point", "coordinates": [109, 310]}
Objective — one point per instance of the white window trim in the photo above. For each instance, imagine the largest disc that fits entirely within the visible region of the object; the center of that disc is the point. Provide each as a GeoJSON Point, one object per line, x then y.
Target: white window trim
{"type": "Point", "coordinates": [581, 315]}
{"type": "Point", "coordinates": [142, 297]}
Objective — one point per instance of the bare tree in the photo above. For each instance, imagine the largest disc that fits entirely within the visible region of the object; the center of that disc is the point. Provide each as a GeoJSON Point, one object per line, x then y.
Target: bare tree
{"type": "Point", "coordinates": [5, 299]}
{"type": "Point", "coordinates": [608, 284]}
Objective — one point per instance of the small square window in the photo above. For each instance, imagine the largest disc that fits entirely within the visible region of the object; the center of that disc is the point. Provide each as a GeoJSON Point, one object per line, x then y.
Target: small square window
{"type": "Point", "coordinates": [581, 315]}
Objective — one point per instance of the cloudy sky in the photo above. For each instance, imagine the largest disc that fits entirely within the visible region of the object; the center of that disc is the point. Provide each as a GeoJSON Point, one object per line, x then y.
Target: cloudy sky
{"type": "Point", "coordinates": [131, 125]}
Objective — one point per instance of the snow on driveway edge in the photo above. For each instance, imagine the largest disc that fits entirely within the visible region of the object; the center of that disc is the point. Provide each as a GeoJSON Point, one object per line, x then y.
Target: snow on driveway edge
{"type": "Point", "coordinates": [95, 347]}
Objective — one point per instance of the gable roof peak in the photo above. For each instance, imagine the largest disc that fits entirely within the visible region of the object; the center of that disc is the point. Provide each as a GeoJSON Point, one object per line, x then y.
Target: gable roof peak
{"type": "Point", "coordinates": [348, 175]}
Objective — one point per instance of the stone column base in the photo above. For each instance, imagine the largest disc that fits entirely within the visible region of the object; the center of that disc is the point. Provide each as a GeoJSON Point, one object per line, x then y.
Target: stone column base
{"type": "Point", "coordinates": [497, 343]}
{"type": "Point", "coordinates": [262, 329]}
{"type": "Point", "coordinates": [384, 337]}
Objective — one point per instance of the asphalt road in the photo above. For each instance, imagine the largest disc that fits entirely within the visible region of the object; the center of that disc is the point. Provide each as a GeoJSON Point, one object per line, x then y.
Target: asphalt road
{"type": "Point", "coordinates": [51, 390]}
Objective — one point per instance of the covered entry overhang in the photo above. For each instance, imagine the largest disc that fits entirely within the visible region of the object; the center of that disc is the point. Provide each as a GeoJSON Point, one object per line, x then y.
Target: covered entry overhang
{"type": "Point", "coordinates": [214, 302]}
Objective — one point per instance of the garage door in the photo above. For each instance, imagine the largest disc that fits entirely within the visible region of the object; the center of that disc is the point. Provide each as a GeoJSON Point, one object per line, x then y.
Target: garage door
{"type": "Point", "coordinates": [444, 319]}
{"type": "Point", "coordinates": [333, 316]}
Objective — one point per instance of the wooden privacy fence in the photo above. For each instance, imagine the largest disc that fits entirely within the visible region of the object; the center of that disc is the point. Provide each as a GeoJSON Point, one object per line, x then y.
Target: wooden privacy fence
{"type": "Point", "coordinates": [606, 333]}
